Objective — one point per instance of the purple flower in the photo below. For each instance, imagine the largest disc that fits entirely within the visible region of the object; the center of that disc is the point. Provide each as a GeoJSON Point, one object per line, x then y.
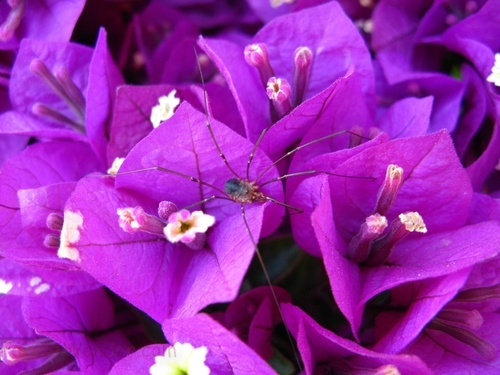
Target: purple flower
{"type": "Point", "coordinates": [226, 354]}
{"type": "Point", "coordinates": [435, 186]}
{"type": "Point", "coordinates": [450, 331]}
{"type": "Point", "coordinates": [323, 352]}
{"type": "Point", "coordinates": [35, 185]}
{"type": "Point", "coordinates": [252, 316]}
{"type": "Point", "coordinates": [324, 31]}
{"type": "Point", "coordinates": [58, 91]}
{"type": "Point", "coordinates": [70, 334]}
{"type": "Point", "coordinates": [140, 266]}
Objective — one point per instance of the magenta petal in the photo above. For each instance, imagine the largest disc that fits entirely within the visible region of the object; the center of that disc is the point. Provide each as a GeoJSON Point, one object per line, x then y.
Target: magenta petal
{"type": "Point", "coordinates": [226, 353]}
{"type": "Point", "coordinates": [104, 78]}
{"type": "Point", "coordinates": [26, 88]}
{"type": "Point", "coordinates": [334, 40]}
{"type": "Point", "coordinates": [248, 93]}
{"type": "Point", "coordinates": [428, 297]}
{"type": "Point", "coordinates": [327, 112]}
{"type": "Point", "coordinates": [75, 323]}
{"type": "Point", "coordinates": [318, 346]}
{"type": "Point", "coordinates": [407, 117]}
{"type": "Point", "coordinates": [139, 361]}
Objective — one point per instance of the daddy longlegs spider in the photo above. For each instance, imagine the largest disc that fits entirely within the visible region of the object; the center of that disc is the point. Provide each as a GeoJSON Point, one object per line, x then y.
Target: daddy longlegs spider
{"type": "Point", "coordinates": [193, 160]}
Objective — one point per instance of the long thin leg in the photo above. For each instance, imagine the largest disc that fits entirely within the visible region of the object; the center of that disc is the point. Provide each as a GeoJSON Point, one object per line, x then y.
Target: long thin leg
{"type": "Point", "coordinates": [313, 171]}
{"type": "Point", "coordinates": [207, 118]}
{"type": "Point", "coordinates": [303, 146]}
{"type": "Point", "coordinates": [255, 146]}
{"type": "Point", "coordinates": [208, 199]}
{"type": "Point", "coordinates": [268, 279]}
{"type": "Point", "coordinates": [161, 169]}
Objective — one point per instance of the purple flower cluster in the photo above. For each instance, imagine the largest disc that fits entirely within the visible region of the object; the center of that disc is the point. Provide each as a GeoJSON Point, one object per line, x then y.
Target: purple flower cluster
{"type": "Point", "coordinates": [250, 187]}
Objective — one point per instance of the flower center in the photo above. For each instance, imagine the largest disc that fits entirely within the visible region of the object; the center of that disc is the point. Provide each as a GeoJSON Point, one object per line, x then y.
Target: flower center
{"type": "Point", "coordinates": [277, 88]}
{"type": "Point", "coordinates": [370, 245]}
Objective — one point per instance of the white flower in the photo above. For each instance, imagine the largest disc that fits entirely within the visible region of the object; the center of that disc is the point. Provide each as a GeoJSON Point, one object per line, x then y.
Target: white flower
{"type": "Point", "coordinates": [494, 77]}
{"type": "Point", "coordinates": [165, 109]}
{"type": "Point", "coordinates": [117, 163]}
{"type": "Point", "coordinates": [181, 359]}
{"type": "Point", "coordinates": [183, 225]}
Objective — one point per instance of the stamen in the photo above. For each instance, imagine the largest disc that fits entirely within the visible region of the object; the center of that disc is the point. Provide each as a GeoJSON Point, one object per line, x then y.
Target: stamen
{"type": "Point", "coordinates": [12, 353]}
{"type": "Point", "coordinates": [278, 3]}
{"type": "Point", "coordinates": [494, 77]}
{"type": "Point", "coordinates": [346, 366]}
{"type": "Point", "coordinates": [366, 3]}
{"type": "Point", "coordinates": [165, 109]}
{"type": "Point", "coordinates": [54, 221]}
{"type": "Point", "coordinates": [478, 294]}
{"type": "Point", "coordinates": [183, 226]}
{"type": "Point", "coordinates": [10, 25]}
{"type": "Point", "coordinates": [465, 318]}
{"type": "Point", "coordinates": [42, 110]}
{"type": "Point", "coordinates": [117, 163]}
{"type": "Point", "coordinates": [165, 209]}
{"type": "Point", "coordinates": [136, 219]}
{"type": "Point", "coordinates": [280, 92]}
{"type": "Point", "coordinates": [63, 86]}
{"type": "Point", "coordinates": [399, 229]}
{"type": "Point", "coordinates": [359, 247]}
{"type": "Point", "coordinates": [256, 55]}
{"type": "Point", "coordinates": [413, 222]}
{"type": "Point", "coordinates": [74, 94]}
{"type": "Point", "coordinates": [389, 189]}
{"type": "Point", "coordinates": [302, 61]}
{"type": "Point", "coordinates": [471, 7]}
{"type": "Point", "coordinates": [484, 348]}
{"type": "Point", "coordinates": [387, 370]}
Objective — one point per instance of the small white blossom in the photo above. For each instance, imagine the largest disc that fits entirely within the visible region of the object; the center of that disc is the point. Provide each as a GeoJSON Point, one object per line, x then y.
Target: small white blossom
{"type": "Point", "coordinates": [165, 109]}
{"type": "Point", "coordinates": [494, 77]}
{"type": "Point", "coordinates": [181, 359]}
{"type": "Point", "coordinates": [183, 225]}
{"type": "Point", "coordinates": [117, 163]}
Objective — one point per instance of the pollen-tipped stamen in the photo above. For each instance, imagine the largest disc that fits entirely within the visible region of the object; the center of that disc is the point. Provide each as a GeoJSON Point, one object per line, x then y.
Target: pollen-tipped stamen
{"type": "Point", "coordinates": [398, 229]}
{"type": "Point", "coordinates": [302, 61]}
{"type": "Point", "coordinates": [359, 247]}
